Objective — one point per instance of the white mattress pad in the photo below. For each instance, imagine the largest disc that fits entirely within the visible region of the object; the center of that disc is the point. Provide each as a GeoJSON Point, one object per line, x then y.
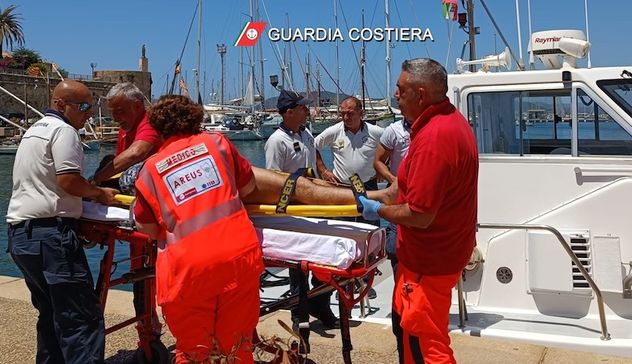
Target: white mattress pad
{"type": "Point", "coordinates": [329, 242]}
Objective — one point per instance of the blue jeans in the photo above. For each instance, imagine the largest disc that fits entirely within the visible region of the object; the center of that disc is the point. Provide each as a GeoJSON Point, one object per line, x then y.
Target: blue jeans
{"type": "Point", "coordinates": [70, 327]}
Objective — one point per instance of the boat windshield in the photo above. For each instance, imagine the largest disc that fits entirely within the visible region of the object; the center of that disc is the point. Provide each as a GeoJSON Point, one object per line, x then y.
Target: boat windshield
{"type": "Point", "coordinates": [619, 90]}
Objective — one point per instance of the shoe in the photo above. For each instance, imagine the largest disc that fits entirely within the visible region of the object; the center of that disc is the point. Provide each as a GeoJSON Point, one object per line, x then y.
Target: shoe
{"type": "Point", "coordinates": [332, 324]}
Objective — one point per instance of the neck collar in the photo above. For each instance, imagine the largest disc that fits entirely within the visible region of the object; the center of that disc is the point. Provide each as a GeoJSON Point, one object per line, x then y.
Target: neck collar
{"type": "Point", "coordinates": [289, 131]}
{"type": "Point", "coordinates": [57, 114]}
{"type": "Point", "coordinates": [362, 125]}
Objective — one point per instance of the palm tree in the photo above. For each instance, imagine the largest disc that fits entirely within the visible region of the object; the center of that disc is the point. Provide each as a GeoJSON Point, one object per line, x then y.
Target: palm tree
{"type": "Point", "coordinates": [10, 28]}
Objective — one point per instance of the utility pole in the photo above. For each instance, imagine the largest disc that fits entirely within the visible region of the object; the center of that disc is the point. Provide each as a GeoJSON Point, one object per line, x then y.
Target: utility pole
{"type": "Point", "coordinates": [471, 32]}
{"type": "Point", "coordinates": [221, 49]}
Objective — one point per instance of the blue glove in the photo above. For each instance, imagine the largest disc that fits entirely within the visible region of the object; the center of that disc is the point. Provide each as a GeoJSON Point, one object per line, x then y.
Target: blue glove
{"type": "Point", "coordinates": [369, 208]}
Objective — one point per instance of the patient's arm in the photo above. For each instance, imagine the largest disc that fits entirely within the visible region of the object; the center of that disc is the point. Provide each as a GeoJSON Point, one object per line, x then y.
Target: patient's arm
{"type": "Point", "coordinates": [269, 184]}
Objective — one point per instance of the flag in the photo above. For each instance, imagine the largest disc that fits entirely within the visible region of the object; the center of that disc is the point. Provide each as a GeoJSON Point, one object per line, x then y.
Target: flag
{"type": "Point", "coordinates": [450, 9]}
{"type": "Point", "coordinates": [250, 34]}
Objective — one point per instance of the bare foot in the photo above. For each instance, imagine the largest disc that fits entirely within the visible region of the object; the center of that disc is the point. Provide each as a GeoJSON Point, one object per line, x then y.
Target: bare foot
{"type": "Point", "coordinates": [387, 195]}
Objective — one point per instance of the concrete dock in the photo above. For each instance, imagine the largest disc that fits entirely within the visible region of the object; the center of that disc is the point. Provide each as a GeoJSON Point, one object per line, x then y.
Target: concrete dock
{"type": "Point", "coordinates": [372, 343]}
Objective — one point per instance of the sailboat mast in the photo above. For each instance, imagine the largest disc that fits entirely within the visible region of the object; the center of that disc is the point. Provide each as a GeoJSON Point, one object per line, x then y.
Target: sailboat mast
{"type": "Point", "coordinates": [362, 64]}
{"type": "Point", "coordinates": [317, 86]}
{"type": "Point", "coordinates": [251, 84]}
{"type": "Point", "coordinates": [199, 52]}
{"type": "Point", "coordinates": [337, 56]}
{"type": "Point", "coordinates": [261, 82]}
{"type": "Point", "coordinates": [289, 65]}
{"type": "Point", "coordinates": [388, 57]}
{"type": "Point", "coordinates": [307, 90]}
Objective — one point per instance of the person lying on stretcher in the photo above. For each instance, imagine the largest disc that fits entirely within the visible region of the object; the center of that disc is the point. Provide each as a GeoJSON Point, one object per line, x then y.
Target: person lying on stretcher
{"type": "Point", "coordinates": [190, 197]}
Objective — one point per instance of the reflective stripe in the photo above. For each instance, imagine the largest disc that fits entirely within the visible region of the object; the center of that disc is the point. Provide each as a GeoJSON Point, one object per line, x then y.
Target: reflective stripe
{"type": "Point", "coordinates": [169, 220]}
{"type": "Point", "coordinates": [205, 218]}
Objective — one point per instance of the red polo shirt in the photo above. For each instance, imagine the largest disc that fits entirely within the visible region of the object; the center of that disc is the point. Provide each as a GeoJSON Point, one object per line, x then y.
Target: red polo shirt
{"type": "Point", "coordinates": [143, 131]}
{"type": "Point", "coordinates": [440, 176]}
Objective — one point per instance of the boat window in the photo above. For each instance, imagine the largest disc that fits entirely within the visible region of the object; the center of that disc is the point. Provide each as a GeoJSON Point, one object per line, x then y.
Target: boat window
{"type": "Point", "coordinates": [522, 122]}
{"type": "Point", "coordinates": [620, 91]}
{"type": "Point", "coordinates": [598, 132]}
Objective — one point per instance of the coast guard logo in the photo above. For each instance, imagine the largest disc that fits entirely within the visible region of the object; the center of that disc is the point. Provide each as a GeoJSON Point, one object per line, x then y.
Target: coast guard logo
{"type": "Point", "coordinates": [193, 179]}
{"type": "Point", "coordinates": [250, 34]}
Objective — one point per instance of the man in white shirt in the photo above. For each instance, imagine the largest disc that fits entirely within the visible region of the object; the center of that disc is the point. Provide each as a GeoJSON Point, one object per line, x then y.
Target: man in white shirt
{"type": "Point", "coordinates": [390, 152]}
{"type": "Point", "coordinates": [42, 216]}
{"type": "Point", "coordinates": [353, 143]}
{"type": "Point", "coordinates": [290, 148]}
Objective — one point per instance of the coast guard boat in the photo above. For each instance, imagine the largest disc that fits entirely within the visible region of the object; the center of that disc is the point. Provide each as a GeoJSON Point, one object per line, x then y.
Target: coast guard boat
{"type": "Point", "coordinates": [553, 263]}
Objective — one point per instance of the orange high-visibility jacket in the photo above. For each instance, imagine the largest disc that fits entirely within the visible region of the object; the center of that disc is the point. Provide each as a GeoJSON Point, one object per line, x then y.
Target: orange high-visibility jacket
{"type": "Point", "coordinates": [191, 189]}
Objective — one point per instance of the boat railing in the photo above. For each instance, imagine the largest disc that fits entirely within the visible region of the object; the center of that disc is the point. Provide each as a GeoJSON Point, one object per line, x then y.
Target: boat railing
{"type": "Point", "coordinates": [602, 315]}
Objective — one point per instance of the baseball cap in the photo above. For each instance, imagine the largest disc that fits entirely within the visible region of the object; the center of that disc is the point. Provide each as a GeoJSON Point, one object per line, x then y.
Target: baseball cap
{"type": "Point", "coordinates": [290, 99]}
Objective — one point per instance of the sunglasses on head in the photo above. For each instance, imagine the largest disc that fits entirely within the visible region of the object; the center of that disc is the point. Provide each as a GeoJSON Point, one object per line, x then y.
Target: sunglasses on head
{"type": "Point", "coordinates": [83, 106]}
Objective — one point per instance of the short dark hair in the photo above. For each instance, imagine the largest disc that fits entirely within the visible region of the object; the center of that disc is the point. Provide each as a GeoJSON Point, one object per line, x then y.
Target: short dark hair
{"type": "Point", "coordinates": [358, 103]}
{"type": "Point", "coordinates": [176, 115]}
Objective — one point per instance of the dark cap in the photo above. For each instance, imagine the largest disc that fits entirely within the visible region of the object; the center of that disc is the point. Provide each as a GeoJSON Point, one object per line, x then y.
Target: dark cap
{"type": "Point", "coordinates": [290, 99]}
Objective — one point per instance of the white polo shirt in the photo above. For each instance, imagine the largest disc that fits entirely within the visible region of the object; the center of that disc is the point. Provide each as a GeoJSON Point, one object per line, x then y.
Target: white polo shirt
{"type": "Point", "coordinates": [396, 139]}
{"type": "Point", "coordinates": [353, 153]}
{"type": "Point", "coordinates": [48, 148]}
{"type": "Point", "coordinates": [288, 151]}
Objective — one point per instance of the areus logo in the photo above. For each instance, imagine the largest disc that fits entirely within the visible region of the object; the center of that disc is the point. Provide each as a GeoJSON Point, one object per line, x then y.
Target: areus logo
{"type": "Point", "coordinates": [250, 34]}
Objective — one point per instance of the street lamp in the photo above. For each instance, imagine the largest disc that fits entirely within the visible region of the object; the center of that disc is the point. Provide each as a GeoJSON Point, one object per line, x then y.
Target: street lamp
{"type": "Point", "coordinates": [274, 81]}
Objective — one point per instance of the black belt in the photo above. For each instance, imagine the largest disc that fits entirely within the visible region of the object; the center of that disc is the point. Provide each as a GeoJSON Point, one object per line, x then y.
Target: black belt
{"type": "Point", "coordinates": [45, 222]}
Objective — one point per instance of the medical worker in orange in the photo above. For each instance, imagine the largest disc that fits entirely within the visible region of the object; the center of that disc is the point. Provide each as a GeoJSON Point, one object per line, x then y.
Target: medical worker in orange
{"type": "Point", "coordinates": [209, 260]}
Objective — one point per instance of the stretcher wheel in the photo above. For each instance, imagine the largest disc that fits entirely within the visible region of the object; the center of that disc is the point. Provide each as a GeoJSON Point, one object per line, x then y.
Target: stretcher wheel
{"type": "Point", "coordinates": [159, 352]}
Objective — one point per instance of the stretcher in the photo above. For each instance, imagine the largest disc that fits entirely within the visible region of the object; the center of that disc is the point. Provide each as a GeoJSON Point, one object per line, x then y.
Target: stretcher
{"type": "Point", "coordinates": [107, 225]}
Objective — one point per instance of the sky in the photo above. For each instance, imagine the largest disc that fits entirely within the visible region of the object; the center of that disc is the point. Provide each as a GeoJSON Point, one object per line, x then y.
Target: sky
{"type": "Point", "coordinates": [109, 34]}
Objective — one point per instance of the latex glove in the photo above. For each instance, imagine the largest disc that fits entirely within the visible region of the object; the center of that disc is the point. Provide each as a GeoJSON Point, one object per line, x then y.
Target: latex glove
{"type": "Point", "coordinates": [370, 208]}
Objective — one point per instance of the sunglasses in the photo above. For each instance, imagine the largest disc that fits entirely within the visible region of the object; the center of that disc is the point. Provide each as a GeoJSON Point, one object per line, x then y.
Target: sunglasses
{"type": "Point", "coordinates": [83, 106]}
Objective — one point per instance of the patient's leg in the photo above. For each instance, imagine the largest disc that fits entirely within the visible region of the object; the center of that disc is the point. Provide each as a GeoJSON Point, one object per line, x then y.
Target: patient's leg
{"type": "Point", "coordinates": [269, 184]}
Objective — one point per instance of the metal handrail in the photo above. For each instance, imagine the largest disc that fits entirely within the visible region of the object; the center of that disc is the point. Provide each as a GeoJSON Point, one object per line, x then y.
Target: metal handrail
{"type": "Point", "coordinates": [602, 315]}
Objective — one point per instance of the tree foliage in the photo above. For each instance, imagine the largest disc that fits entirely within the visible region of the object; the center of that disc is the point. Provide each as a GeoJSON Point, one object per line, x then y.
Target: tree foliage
{"type": "Point", "coordinates": [10, 28]}
{"type": "Point", "coordinates": [23, 58]}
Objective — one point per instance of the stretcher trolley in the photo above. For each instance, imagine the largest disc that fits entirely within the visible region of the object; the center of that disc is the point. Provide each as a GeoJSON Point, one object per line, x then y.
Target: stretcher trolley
{"type": "Point", "coordinates": [343, 255]}
{"type": "Point", "coordinates": [339, 253]}
{"type": "Point", "coordinates": [105, 226]}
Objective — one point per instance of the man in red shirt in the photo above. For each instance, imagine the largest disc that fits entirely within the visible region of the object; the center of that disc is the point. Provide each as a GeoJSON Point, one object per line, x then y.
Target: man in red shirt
{"type": "Point", "coordinates": [137, 139]}
{"type": "Point", "coordinates": [435, 212]}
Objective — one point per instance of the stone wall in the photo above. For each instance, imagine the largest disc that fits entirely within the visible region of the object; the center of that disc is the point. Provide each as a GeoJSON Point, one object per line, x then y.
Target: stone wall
{"type": "Point", "coordinates": [139, 78]}
{"type": "Point", "coordinates": [36, 92]}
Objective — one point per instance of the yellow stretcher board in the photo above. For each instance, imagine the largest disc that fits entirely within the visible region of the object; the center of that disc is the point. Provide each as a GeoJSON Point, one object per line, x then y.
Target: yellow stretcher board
{"type": "Point", "coordinates": [294, 210]}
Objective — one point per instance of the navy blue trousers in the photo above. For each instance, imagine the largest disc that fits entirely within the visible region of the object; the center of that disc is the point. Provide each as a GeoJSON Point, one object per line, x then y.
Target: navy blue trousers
{"type": "Point", "coordinates": [70, 327]}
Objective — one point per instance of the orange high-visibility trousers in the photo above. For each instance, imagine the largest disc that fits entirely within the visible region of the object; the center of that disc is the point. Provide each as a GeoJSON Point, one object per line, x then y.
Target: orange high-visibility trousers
{"type": "Point", "coordinates": [218, 327]}
{"type": "Point", "coordinates": [423, 303]}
